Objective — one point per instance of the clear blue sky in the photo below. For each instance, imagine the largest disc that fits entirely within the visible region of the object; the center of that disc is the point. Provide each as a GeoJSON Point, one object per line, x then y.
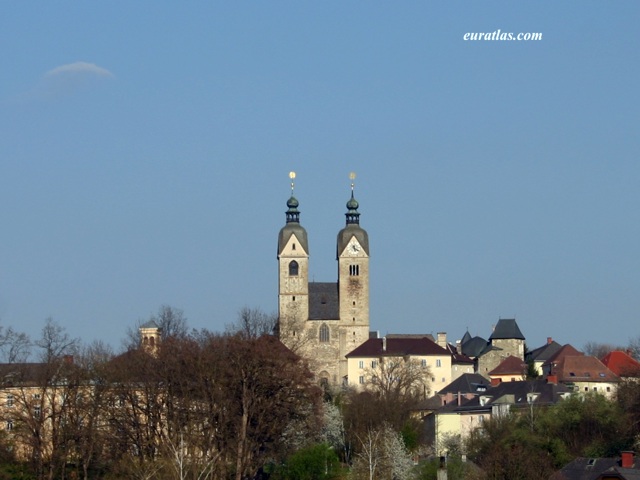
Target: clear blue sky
{"type": "Point", "coordinates": [145, 148]}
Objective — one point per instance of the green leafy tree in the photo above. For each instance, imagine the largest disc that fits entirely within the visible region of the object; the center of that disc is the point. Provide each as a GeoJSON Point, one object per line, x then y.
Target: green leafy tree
{"type": "Point", "coordinates": [316, 462]}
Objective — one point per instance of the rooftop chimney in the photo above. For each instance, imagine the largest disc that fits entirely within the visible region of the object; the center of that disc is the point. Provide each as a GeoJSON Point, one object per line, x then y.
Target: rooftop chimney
{"type": "Point", "coordinates": [442, 339]}
{"type": "Point", "coordinates": [384, 344]}
{"type": "Point", "coordinates": [626, 460]}
{"type": "Point", "coordinates": [549, 340]}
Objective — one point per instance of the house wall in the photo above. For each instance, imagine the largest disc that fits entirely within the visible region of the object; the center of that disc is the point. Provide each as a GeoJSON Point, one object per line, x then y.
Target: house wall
{"type": "Point", "coordinates": [437, 370]}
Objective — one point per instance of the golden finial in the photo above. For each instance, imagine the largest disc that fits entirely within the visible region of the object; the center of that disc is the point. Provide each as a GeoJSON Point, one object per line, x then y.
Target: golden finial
{"type": "Point", "coordinates": [292, 176]}
{"type": "Point", "coordinates": [352, 176]}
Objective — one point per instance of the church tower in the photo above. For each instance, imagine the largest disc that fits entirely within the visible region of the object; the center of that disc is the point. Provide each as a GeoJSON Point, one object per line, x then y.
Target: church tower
{"type": "Point", "coordinates": [293, 274]}
{"type": "Point", "coordinates": [323, 321]}
{"type": "Point", "coordinates": [353, 281]}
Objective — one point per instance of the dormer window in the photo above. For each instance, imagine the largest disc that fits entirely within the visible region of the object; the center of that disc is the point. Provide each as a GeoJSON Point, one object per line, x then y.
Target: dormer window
{"type": "Point", "coordinates": [293, 268]}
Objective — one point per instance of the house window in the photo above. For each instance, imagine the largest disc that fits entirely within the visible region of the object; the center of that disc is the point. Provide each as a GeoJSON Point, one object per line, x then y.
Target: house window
{"type": "Point", "coordinates": [9, 400]}
{"type": "Point", "coordinates": [9, 425]}
{"type": "Point", "coordinates": [438, 363]}
{"type": "Point", "coordinates": [424, 362]}
{"type": "Point", "coordinates": [374, 364]}
{"type": "Point", "coordinates": [293, 268]}
{"type": "Point", "coordinates": [36, 396]}
{"type": "Point", "coordinates": [361, 364]}
{"type": "Point", "coordinates": [354, 270]}
{"type": "Point", "coordinates": [324, 333]}
{"type": "Point", "coordinates": [293, 246]}
{"type": "Point", "coordinates": [361, 380]}
{"type": "Point", "coordinates": [36, 412]}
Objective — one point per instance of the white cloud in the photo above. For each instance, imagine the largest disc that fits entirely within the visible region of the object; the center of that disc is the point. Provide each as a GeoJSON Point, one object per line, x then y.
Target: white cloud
{"type": "Point", "coordinates": [79, 68]}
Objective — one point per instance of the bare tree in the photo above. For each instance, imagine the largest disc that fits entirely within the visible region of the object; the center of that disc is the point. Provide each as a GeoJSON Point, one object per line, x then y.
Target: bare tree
{"type": "Point", "coordinates": [253, 323]}
{"type": "Point", "coordinates": [634, 347]}
{"type": "Point", "coordinates": [397, 377]}
{"type": "Point", "coordinates": [598, 349]}
{"type": "Point", "coordinates": [14, 346]}
{"type": "Point", "coordinates": [171, 321]}
{"type": "Point", "coordinates": [55, 342]}
{"type": "Point", "coordinates": [382, 454]}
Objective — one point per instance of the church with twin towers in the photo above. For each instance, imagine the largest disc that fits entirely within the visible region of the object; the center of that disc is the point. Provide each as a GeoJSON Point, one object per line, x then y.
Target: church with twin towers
{"type": "Point", "coordinates": [323, 321]}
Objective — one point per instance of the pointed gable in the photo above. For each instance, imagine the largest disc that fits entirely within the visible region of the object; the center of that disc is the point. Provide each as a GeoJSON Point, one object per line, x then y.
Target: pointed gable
{"type": "Point", "coordinates": [510, 366]}
{"type": "Point", "coordinates": [507, 328]}
{"type": "Point", "coordinates": [543, 353]}
{"type": "Point", "coordinates": [564, 351]}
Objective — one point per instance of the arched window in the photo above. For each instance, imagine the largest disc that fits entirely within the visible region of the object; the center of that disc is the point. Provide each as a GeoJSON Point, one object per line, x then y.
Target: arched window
{"type": "Point", "coordinates": [324, 333]}
{"type": "Point", "coordinates": [293, 268]}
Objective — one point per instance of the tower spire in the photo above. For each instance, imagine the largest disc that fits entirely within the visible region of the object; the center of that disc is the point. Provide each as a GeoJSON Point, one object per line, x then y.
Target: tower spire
{"type": "Point", "coordinates": [293, 215]}
{"type": "Point", "coordinates": [353, 216]}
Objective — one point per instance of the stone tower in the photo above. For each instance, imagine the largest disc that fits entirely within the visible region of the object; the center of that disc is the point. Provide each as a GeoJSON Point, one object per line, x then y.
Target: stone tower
{"type": "Point", "coordinates": [150, 336]}
{"type": "Point", "coordinates": [293, 275]}
{"type": "Point", "coordinates": [353, 282]}
{"type": "Point", "coordinates": [323, 321]}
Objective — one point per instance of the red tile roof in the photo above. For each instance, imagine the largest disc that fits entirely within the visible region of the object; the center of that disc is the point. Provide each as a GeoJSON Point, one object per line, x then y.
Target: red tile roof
{"type": "Point", "coordinates": [622, 364]}
{"type": "Point", "coordinates": [566, 350]}
{"type": "Point", "coordinates": [510, 366]}
{"type": "Point", "coordinates": [583, 369]}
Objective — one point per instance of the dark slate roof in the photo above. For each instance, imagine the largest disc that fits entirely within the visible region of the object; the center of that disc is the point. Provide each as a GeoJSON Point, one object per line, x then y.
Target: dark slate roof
{"type": "Point", "coordinates": [584, 468]}
{"type": "Point", "coordinates": [507, 328]}
{"type": "Point", "coordinates": [467, 383]}
{"type": "Point", "coordinates": [543, 353]}
{"type": "Point", "coordinates": [397, 347]}
{"type": "Point", "coordinates": [457, 357]}
{"type": "Point", "coordinates": [324, 303]}
{"type": "Point", "coordinates": [516, 393]}
{"type": "Point", "coordinates": [293, 228]}
{"type": "Point", "coordinates": [352, 230]}
{"type": "Point", "coordinates": [150, 324]}
{"type": "Point", "coordinates": [474, 347]}
{"type": "Point", "coordinates": [466, 337]}
{"type": "Point", "coordinates": [411, 335]}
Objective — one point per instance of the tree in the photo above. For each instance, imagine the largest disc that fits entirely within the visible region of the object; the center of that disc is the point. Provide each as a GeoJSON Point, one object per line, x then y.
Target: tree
{"type": "Point", "coordinates": [505, 449]}
{"type": "Point", "coordinates": [267, 387]}
{"type": "Point", "coordinates": [42, 395]}
{"type": "Point", "coordinates": [14, 346]}
{"type": "Point", "coordinates": [171, 321]}
{"type": "Point", "coordinates": [398, 377]}
{"type": "Point", "coordinates": [253, 323]}
{"type": "Point", "coordinates": [598, 349]}
{"type": "Point", "coordinates": [315, 462]}
{"type": "Point", "coordinates": [382, 454]}
{"type": "Point", "coordinates": [634, 347]}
